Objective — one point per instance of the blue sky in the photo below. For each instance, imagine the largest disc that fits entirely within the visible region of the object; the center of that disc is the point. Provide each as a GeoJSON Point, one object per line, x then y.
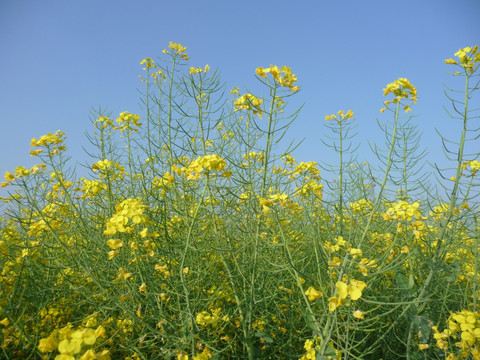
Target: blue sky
{"type": "Point", "coordinates": [61, 58]}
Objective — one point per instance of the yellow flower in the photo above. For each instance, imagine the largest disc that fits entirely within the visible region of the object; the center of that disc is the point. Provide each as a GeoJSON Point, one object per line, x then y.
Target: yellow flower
{"type": "Point", "coordinates": [204, 355]}
{"type": "Point", "coordinates": [468, 338]}
{"type": "Point", "coordinates": [48, 344]}
{"type": "Point", "coordinates": [333, 303]}
{"type": "Point", "coordinates": [358, 314]}
{"type": "Point", "coordinates": [128, 121]}
{"type": "Point", "coordinates": [355, 289]}
{"type": "Point", "coordinates": [5, 322]}
{"type": "Point", "coordinates": [87, 336]}
{"type": "Point", "coordinates": [122, 273]}
{"type": "Point", "coordinates": [49, 139]}
{"type": "Point", "coordinates": [474, 166]}
{"type": "Point", "coordinates": [204, 318]}
{"type": "Point", "coordinates": [355, 252]}
{"type": "Point", "coordinates": [309, 345]}
{"type": "Point", "coordinates": [401, 89]}
{"type": "Point", "coordinates": [182, 356]}
{"type": "Point", "coordinates": [103, 355]}
{"type": "Point", "coordinates": [149, 63]}
{"type": "Point", "coordinates": [249, 102]}
{"type": "Point", "coordinates": [342, 290]}
{"type": "Point", "coordinates": [89, 355]}
{"type": "Point", "coordinates": [198, 69]}
{"type": "Point", "coordinates": [287, 79]}
{"type": "Point", "coordinates": [451, 61]}
{"type": "Point", "coordinates": [70, 347]}
{"type": "Point", "coordinates": [469, 58]}
{"type": "Point", "coordinates": [100, 331]}
{"type": "Point", "coordinates": [115, 243]}
{"type": "Point", "coordinates": [177, 49]}
{"type": "Point", "coordinates": [142, 287]}
{"type": "Point", "coordinates": [313, 294]}
{"type": "Point", "coordinates": [35, 152]}
{"type": "Point", "coordinates": [9, 176]}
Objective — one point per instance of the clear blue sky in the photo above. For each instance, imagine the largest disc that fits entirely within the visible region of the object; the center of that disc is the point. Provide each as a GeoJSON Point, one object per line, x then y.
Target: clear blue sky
{"type": "Point", "coordinates": [60, 58]}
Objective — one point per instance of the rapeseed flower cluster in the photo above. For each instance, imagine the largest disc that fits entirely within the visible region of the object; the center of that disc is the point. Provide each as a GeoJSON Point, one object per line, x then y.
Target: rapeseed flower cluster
{"type": "Point", "coordinates": [198, 70]}
{"type": "Point", "coordinates": [353, 290]}
{"type": "Point", "coordinates": [211, 319]}
{"type": "Point", "coordinates": [361, 206]}
{"type": "Point", "coordinates": [402, 210]}
{"type": "Point", "coordinates": [128, 121]}
{"type": "Point", "coordinates": [401, 89]}
{"type": "Point", "coordinates": [102, 122]}
{"type": "Point", "coordinates": [91, 188]}
{"type": "Point", "coordinates": [341, 116]}
{"type": "Point", "coordinates": [469, 59]}
{"type": "Point", "coordinates": [282, 76]}
{"type": "Point", "coordinates": [310, 187]}
{"type": "Point", "coordinates": [281, 199]}
{"type": "Point", "coordinates": [474, 166]}
{"type": "Point", "coordinates": [69, 343]}
{"type": "Point", "coordinates": [204, 355]}
{"type": "Point", "coordinates": [313, 349]}
{"type": "Point", "coordinates": [109, 169]}
{"type": "Point", "coordinates": [21, 172]}
{"type": "Point", "coordinates": [464, 331]}
{"type": "Point", "coordinates": [177, 49]}
{"type": "Point", "coordinates": [165, 183]}
{"type": "Point", "coordinates": [149, 63]}
{"type": "Point", "coordinates": [313, 294]}
{"type": "Point", "coordinates": [128, 210]}
{"type": "Point", "coordinates": [252, 157]}
{"type": "Point", "coordinates": [249, 102]}
{"type": "Point", "coordinates": [205, 163]}
{"type": "Point", "coordinates": [50, 141]}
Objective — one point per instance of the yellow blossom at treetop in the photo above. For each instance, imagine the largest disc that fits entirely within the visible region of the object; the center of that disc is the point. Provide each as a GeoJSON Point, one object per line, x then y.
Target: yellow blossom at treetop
{"type": "Point", "coordinates": [341, 114]}
{"type": "Point", "coordinates": [401, 89]}
{"type": "Point", "coordinates": [469, 58]}
{"type": "Point", "coordinates": [198, 70]}
{"type": "Point", "coordinates": [48, 139]}
{"type": "Point", "coordinates": [177, 49]}
{"type": "Point", "coordinates": [127, 121]}
{"type": "Point", "coordinates": [149, 63]}
{"type": "Point", "coordinates": [287, 79]}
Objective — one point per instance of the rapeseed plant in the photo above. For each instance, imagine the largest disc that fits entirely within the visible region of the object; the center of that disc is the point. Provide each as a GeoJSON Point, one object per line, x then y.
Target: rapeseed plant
{"type": "Point", "coordinates": [195, 237]}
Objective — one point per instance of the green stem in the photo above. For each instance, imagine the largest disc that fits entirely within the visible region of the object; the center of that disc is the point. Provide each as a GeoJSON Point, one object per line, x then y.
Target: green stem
{"type": "Point", "coordinates": [385, 177]}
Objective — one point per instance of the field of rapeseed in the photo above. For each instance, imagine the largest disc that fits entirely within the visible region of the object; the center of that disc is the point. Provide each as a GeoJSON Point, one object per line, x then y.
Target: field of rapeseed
{"type": "Point", "coordinates": [195, 236]}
